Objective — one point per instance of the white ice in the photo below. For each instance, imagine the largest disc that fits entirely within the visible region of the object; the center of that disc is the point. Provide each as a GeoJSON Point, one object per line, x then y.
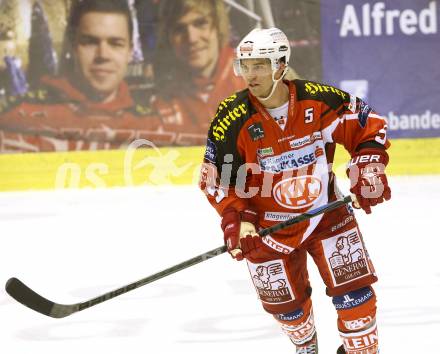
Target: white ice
{"type": "Point", "coordinates": [71, 246]}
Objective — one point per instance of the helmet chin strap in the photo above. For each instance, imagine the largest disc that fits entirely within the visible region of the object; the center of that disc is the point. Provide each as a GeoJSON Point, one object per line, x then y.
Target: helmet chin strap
{"type": "Point", "coordinates": [275, 83]}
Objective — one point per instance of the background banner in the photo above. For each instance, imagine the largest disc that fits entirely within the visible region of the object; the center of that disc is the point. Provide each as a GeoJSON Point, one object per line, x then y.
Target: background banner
{"type": "Point", "coordinates": [180, 67]}
{"type": "Point", "coordinates": [387, 52]}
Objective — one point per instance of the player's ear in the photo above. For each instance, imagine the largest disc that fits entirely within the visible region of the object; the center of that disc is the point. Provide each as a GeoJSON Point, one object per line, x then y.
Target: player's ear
{"type": "Point", "coordinates": [280, 70]}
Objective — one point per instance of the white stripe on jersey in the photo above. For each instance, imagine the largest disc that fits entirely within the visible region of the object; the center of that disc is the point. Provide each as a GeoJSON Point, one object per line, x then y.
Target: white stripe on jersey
{"type": "Point", "coordinates": [327, 133]}
{"type": "Point", "coordinates": [356, 116]}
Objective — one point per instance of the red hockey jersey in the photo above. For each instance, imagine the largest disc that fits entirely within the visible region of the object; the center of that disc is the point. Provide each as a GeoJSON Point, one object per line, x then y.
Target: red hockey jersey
{"type": "Point", "coordinates": [251, 162]}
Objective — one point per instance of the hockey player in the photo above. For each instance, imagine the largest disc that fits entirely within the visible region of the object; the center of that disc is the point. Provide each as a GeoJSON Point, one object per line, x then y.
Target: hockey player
{"type": "Point", "coordinates": [268, 158]}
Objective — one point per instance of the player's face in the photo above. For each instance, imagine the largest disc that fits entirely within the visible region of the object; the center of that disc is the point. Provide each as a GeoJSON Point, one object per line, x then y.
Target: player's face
{"type": "Point", "coordinates": [102, 51]}
{"type": "Point", "coordinates": [258, 76]}
{"type": "Point", "coordinates": [195, 41]}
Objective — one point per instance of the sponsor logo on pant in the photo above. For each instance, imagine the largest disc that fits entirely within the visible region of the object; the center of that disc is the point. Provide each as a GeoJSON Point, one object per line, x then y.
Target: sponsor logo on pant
{"type": "Point", "coordinates": [346, 257]}
{"type": "Point", "coordinates": [270, 281]}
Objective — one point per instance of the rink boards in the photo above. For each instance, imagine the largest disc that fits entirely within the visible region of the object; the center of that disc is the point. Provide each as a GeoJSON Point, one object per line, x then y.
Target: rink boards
{"type": "Point", "coordinates": [137, 165]}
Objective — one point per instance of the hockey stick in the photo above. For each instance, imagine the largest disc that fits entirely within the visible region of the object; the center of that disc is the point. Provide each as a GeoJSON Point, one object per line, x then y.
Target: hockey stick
{"type": "Point", "coordinates": [25, 295]}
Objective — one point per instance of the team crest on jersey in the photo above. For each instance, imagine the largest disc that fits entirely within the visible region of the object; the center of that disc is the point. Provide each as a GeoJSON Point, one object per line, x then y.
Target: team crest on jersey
{"type": "Point", "coordinates": [346, 257]}
{"type": "Point", "coordinates": [271, 283]}
{"type": "Point", "coordinates": [297, 192]}
{"type": "Point", "coordinates": [256, 131]}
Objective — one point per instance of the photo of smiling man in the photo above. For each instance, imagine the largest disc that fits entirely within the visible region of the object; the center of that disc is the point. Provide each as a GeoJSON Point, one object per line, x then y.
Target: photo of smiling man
{"type": "Point", "coordinates": [101, 51]}
{"type": "Point", "coordinates": [193, 64]}
{"type": "Point", "coordinates": [88, 106]}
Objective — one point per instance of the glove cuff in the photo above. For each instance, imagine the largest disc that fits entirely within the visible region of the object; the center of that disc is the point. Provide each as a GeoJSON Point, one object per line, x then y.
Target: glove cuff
{"type": "Point", "coordinates": [229, 216]}
{"type": "Point", "coordinates": [369, 155]}
{"type": "Point", "coordinates": [249, 215]}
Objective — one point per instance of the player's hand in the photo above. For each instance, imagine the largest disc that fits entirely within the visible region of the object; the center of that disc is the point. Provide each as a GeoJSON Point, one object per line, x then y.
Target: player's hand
{"type": "Point", "coordinates": [368, 181]}
{"type": "Point", "coordinates": [236, 226]}
{"type": "Point", "coordinates": [254, 249]}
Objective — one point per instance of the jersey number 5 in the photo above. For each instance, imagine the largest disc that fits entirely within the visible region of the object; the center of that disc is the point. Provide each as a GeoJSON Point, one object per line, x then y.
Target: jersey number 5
{"type": "Point", "coordinates": [308, 115]}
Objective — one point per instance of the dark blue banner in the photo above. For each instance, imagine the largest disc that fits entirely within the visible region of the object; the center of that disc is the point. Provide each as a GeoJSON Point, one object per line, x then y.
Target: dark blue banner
{"type": "Point", "coordinates": [388, 53]}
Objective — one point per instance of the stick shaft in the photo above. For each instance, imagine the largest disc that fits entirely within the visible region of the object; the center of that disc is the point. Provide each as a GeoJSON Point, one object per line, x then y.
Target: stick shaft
{"type": "Point", "coordinates": [174, 269]}
{"type": "Point", "coordinates": [25, 295]}
{"type": "Point", "coordinates": [217, 251]}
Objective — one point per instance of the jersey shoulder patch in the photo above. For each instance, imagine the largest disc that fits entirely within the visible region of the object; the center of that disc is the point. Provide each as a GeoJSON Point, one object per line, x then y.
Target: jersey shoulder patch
{"type": "Point", "coordinates": [231, 114]}
{"type": "Point", "coordinates": [328, 94]}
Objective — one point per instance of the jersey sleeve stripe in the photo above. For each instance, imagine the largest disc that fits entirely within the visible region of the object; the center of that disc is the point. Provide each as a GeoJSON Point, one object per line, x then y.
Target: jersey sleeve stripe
{"type": "Point", "coordinates": [354, 116]}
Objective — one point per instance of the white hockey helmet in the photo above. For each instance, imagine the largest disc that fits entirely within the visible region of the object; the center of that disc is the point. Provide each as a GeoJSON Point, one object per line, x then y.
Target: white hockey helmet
{"type": "Point", "coordinates": [270, 43]}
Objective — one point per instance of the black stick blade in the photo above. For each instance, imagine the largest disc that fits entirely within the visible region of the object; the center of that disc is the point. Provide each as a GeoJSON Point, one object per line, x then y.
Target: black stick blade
{"type": "Point", "coordinates": [25, 295]}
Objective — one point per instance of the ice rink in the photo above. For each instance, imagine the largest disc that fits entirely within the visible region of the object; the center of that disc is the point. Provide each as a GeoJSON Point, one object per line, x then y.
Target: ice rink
{"type": "Point", "coordinates": [72, 245]}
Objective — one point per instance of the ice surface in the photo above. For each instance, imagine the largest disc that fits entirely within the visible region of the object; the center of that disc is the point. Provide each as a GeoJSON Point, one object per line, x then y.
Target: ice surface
{"type": "Point", "coordinates": [74, 245]}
